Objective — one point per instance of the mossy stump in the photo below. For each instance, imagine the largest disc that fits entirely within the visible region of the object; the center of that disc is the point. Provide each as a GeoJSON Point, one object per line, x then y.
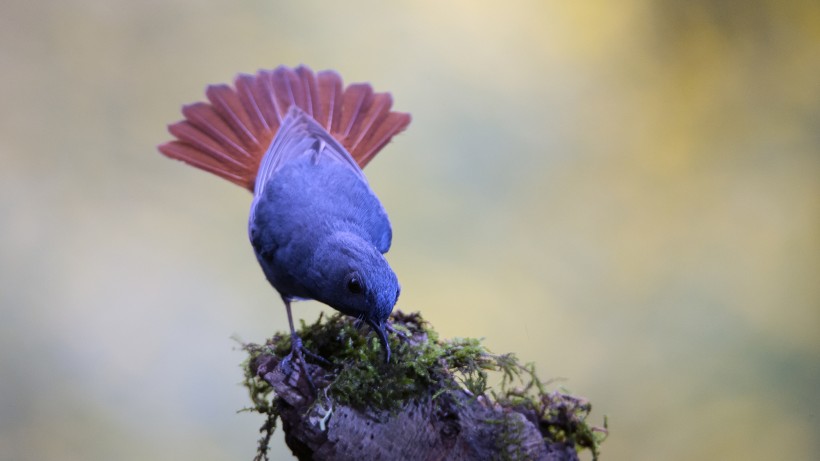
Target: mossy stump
{"type": "Point", "coordinates": [430, 402]}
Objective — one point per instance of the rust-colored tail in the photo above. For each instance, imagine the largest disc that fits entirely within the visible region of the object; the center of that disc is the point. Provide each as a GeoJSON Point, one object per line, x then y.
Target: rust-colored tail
{"type": "Point", "coordinates": [229, 136]}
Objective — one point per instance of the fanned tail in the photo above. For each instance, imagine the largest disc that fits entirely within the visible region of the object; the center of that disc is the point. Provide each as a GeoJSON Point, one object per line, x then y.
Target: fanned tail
{"type": "Point", "coordinates": [229, 135]}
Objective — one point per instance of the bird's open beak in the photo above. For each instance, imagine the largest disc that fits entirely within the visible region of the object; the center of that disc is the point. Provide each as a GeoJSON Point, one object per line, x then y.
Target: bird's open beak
{"type": "Point", "coordinates": [378, 327]}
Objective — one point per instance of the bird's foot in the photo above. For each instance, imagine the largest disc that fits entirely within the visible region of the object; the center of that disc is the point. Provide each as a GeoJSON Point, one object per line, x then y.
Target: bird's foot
{"type": "Point", "coordinates": [315, 357]}
{"type": "Point", "coordinates": [297, 354]}
{"type": "Point", "coordinates": [399, 333]}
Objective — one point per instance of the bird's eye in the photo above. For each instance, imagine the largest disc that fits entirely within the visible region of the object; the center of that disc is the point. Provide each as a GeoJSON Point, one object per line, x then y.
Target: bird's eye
{"type": "Point", "coordinates": [398, 292]}
{"type": "Point", "coordinates": [354, 285]}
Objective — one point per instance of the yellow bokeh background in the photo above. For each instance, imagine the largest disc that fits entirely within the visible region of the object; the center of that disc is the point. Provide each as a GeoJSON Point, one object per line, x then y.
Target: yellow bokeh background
{"type": "Point", "coordinates": [625, 193]}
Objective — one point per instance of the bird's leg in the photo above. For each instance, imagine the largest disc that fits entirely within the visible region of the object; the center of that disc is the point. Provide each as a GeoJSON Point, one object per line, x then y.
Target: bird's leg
{"type": "Point", "coordinates": [296, 341]}
{"type": "Point", "coordinates": [297, 350]}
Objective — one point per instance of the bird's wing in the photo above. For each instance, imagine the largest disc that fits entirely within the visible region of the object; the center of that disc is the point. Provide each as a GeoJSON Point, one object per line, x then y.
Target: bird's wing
{"type": "Point", "coordinates": [298, 136]}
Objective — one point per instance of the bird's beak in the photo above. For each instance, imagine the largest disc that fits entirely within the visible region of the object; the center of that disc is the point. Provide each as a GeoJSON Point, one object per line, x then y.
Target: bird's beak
{"type": "Point", "coordinates": [378, 327]}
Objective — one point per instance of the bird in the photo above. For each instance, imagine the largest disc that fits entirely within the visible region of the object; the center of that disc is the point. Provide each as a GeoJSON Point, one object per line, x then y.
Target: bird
{"type": "Point", "coordinates": [298, 140]}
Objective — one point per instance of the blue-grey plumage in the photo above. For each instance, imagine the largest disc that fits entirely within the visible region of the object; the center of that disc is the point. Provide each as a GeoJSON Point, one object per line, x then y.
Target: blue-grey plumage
{"type": "Point", "coordinates": [318, 230]}
{"type": "Point", "coordinates": [298, 140]}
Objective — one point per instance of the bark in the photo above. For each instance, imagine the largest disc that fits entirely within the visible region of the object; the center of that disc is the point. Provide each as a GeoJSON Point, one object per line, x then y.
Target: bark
{"type": "Point", "coordinates": [452, 426]}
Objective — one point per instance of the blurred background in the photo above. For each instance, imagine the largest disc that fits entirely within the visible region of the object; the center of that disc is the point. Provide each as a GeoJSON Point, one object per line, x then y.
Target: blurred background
{"type": "Point", "coordinates": [626, 193]}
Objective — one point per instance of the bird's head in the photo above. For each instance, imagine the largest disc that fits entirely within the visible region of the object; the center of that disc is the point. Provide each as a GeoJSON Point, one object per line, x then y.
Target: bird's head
{"type": "Point", "coordinates": [353, 277]}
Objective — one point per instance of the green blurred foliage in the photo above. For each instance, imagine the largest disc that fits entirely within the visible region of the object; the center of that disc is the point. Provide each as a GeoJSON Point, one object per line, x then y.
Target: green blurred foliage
{"type": "Point", "coordinates": [625, 193]}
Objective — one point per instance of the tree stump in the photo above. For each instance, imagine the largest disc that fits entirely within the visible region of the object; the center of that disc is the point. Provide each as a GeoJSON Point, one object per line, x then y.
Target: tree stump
{"type": "Point", "coordinates": [430, 403]}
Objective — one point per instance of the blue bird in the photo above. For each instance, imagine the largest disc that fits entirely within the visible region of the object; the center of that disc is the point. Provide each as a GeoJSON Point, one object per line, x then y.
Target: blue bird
{"type": "Point", "coordinates": [298, 140]}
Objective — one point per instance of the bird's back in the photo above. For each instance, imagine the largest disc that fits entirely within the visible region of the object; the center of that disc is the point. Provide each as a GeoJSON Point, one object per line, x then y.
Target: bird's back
{"type": "Point", "coordinates": [314, 198]}
{"type": "Point", "coordinates": [309, 189]}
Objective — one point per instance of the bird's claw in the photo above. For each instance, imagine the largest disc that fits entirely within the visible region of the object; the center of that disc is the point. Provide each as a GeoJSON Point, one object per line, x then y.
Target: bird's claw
{"type": "Point", "coordinates": [298, 352]}
{"type": "Point", "coordinates": [390, 329]}
{"type": "Point", "coordinates": [316, 357]}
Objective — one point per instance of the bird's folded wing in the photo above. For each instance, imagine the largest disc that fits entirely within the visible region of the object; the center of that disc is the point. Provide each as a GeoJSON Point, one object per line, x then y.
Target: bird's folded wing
{"type": "Point", "coordinates": [298, 136]}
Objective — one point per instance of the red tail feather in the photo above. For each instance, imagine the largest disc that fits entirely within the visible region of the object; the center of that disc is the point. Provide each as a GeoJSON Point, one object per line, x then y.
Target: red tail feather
{"type": "Point", "coordinates": [229, 135]}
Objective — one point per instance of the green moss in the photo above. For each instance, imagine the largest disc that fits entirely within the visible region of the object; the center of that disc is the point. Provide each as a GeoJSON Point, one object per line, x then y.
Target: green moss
{"type": "Point", "coordinates": [510, 436]}
{"type": "Point", "coordinates": [423, 366]}
{"type": "Point", "coordinates": [262, 398]}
